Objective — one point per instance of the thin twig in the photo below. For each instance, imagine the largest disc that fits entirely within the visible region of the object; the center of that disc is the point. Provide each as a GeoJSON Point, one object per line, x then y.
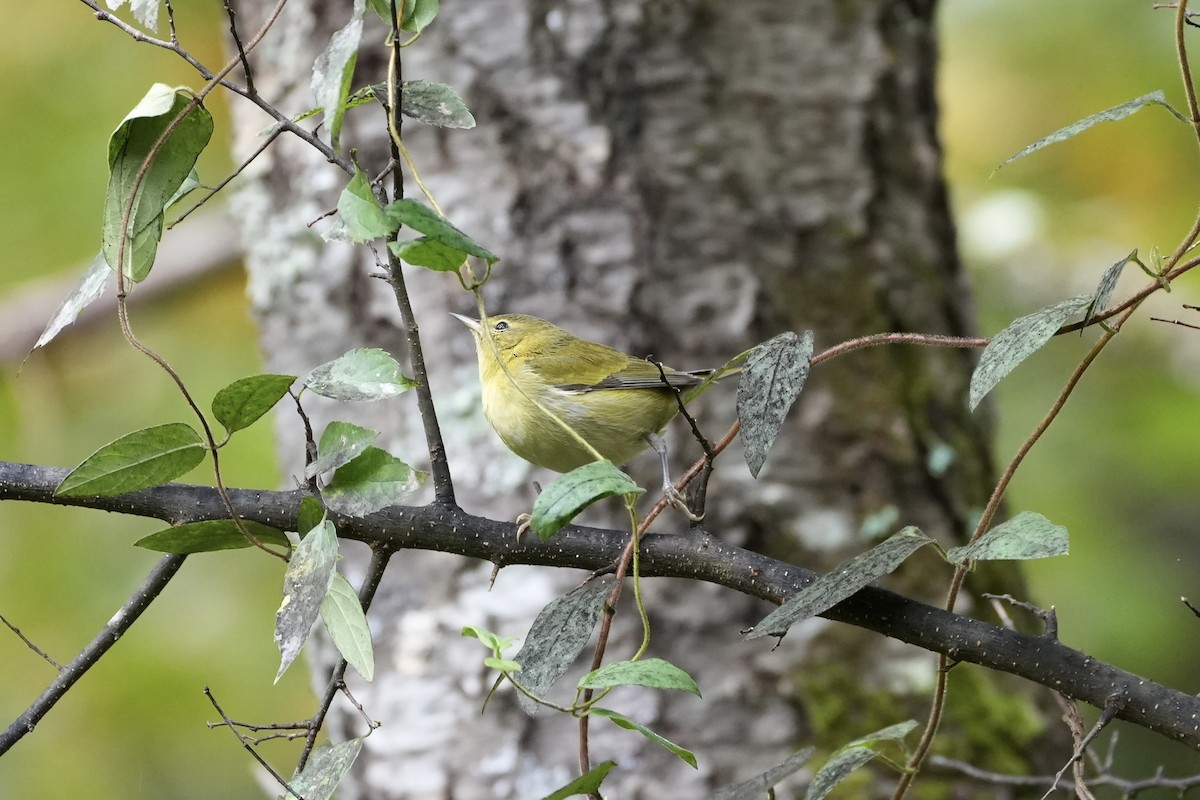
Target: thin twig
{"type": "Point", "coordinates": [271, 137]}
{"type": "Point", "coordinates": [282, 781]}
{"type": "Point", "coordinates": [107, 636]}
{"type": "Point", "coordinates": [29, 643]}
{"type": "Point", "coordinates": [237, 43]}
{"type": "Point", "coordinates": [443, 484]}
{"type": "Point", "coordinates": [283, 120]}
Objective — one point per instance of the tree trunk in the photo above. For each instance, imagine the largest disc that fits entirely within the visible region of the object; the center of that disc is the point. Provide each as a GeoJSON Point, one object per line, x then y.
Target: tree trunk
{"type": "Point", "coordinates": [687, 180]}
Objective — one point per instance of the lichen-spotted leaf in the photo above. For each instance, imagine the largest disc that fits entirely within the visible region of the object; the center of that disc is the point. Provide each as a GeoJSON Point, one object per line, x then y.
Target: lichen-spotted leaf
{"type": "Point", "coordinates": [842, 581]}
{"type": "Point", "coordinates": [772, 379]}
{"type": "Point", "coordinates": [1021, 339]}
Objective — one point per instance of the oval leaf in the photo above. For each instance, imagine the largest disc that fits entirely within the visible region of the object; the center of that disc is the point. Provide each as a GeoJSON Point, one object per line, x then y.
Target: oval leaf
{"type": "Point", "coordinates": [373, 480]}
{"type": "Point", "coordinates": [342, 613]}
{"type": "Point", "coordinates": [566, 497]}
{"type": "Point", "coordinates": [1108, 115]}
{"type": "Point", "coordinates": [341, 443]}
{"type": "Point", "coordinates": [363, 374]}
{"type": "Point", "coordinates": [771, 381]}
{"type": "Point", "coordinates": [435, 104]}
{"type": "Point", "coordinates": [305, 583]}
{"type": "Point", "coordinates": [209, 536]}
{"type": "Point", "coordinates": [429, 253]}
{"type": "Point", "coordinates": [334, 68]}
{"type": "Point", "coordinates": [363, 218]}
{"type": "Point", "coordinates": [559, 633]}
{"type": "Point", "coordinates": [1026, 536]}
{"type": "Point", "coordinates": [138, 460]}
{"type": "Point", "coordinates": [243, 402]}
{"type": "Point", "coordinates": [128, 149]}
{"type": "Point", "coordinates": [621, 721]}
{"type": "Point", "coordinates": [421, 218]}
{"type": "Point", "coordinates": [1021, 339]}
{"type": "Point", "coordinates": [418, 14]}
{"type": "Point", "coordinates": [325, 770]}
{"type": "Point", "coordinates": [653, 672]}
{"type": "Point", "coordinates": [839, 583]}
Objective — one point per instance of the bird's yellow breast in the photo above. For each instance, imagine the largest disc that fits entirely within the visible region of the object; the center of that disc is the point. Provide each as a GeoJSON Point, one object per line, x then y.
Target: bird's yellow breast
{"type": "Point", "coordinates": [616, 422]}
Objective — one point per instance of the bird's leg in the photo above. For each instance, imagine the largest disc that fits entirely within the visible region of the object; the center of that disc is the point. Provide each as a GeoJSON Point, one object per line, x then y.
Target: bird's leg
{"type": "Point", "coordinates": [669, 490]}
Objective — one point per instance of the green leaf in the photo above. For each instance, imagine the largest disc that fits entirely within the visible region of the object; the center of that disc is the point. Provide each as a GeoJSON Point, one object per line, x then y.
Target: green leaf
{"type": "Point", "coordinates": [1108, 115]}
{"type": "Point", "coordinates": [429, 253]}
{"type": "Point", "coordinates": [343, 616]}
{"type": "Point", "coordinates": [757, 787]}
{"type": "Point", "coordinates": [622, 721]}
{"type": "Point", "coordinates": [341, 443]}
{"type": "Point", "coordinates": [771, 381]}
{"type": "Point", "coordinates": [1021, 339]}
{"type": "Point", "coordinates": [363, 374]}
{"type": "Point", "coordinates": [851, 757]}
{"type": "Point", "coordinates": [305, 583]}
{"type": "Point", "coordinates": [559, 633]}
{"type": "Point", "coordinates": [588, 783]}
{"type": "Point", "coordinates": [1026, 536]}
{"type": "Point", "coordinates": [209, 536]}
{"type": "Point", "coordinates": [424, 220]}
{"type": "Point", "coordinates": [373, 480]}
{"type": "Point", "coordinates": [334, 68]}
{"type": "Point", "coordinates": [434, 104]}
{"type": "Point", "coordinates": [842, 581]}
{"type": "Point", "coordinates": [363, 218]}
{"type": "Point", "coordinates": [240, 404]}
{"type": "Point", "coordinates": [494, 642]}
{"type": "Point", "coordinates": [138, 460]}
{"type": "Point", "coordinates": [311, 514]}
{"type": "Point", "coordinates": [95, 281]}
{"type": "Point", "coordinates": [418, 14]}
{"type": "Point", "coordinates": [502, 664]}
{"type": "Point", "coordinates": [128, 149]}
{"type": "Point", "coordinates": [325, 769]}
{"type": "Point", "coordinates": [575, 491]}
{"type": "Point", "coordinates": [653, 672]}
{"type": "Point", "coordinates": [1104, 290]}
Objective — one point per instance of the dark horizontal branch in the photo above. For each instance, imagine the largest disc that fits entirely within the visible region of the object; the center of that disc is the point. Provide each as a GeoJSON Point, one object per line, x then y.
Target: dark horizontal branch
{"type": "Point", "coordinates": [449, 529]}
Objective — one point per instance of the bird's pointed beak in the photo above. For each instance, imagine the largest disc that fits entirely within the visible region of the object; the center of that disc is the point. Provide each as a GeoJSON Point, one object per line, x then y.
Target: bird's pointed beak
{"type": "Point", "coordinates": [473, 324]}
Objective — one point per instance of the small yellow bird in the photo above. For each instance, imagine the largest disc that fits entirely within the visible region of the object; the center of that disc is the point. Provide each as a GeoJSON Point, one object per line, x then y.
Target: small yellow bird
{"type": "Point", "coordinates": [616, 402]}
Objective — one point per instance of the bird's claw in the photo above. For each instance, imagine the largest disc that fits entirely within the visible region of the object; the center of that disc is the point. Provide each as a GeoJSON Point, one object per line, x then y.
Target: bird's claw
{"type": "Point", "coordinates": [675, 499]}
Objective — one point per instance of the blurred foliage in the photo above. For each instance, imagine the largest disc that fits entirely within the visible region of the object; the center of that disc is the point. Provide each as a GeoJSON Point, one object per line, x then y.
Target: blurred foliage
{"type": "Point", "coordinates": [1115, 469]}
{"type": "Point", "coordinates": [134, 726]}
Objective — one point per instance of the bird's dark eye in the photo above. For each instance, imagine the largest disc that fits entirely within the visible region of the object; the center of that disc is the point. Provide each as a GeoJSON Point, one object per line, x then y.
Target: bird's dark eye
{"type": "Point", "coordinates": [502, 325]}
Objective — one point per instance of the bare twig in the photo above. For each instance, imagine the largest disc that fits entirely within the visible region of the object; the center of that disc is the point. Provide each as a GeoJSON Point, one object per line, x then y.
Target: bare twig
{"type": "Point", "coordinates": [121, 622]}
{"type": "Point", "coordinates": [443, 484]}
{"type": "Point", "coordinates": [29, 643]}
{"type": "Point", "coordinates": [249, 746]}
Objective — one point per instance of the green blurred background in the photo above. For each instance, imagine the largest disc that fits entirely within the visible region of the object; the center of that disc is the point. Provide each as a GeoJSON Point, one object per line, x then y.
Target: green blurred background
{"type": "Point", "coordinates": [1116, 469]}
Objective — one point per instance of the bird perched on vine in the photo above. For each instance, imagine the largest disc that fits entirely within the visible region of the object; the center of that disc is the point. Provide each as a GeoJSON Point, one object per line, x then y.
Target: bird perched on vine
{"type": "Point", "coordinates": [530, 369]}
